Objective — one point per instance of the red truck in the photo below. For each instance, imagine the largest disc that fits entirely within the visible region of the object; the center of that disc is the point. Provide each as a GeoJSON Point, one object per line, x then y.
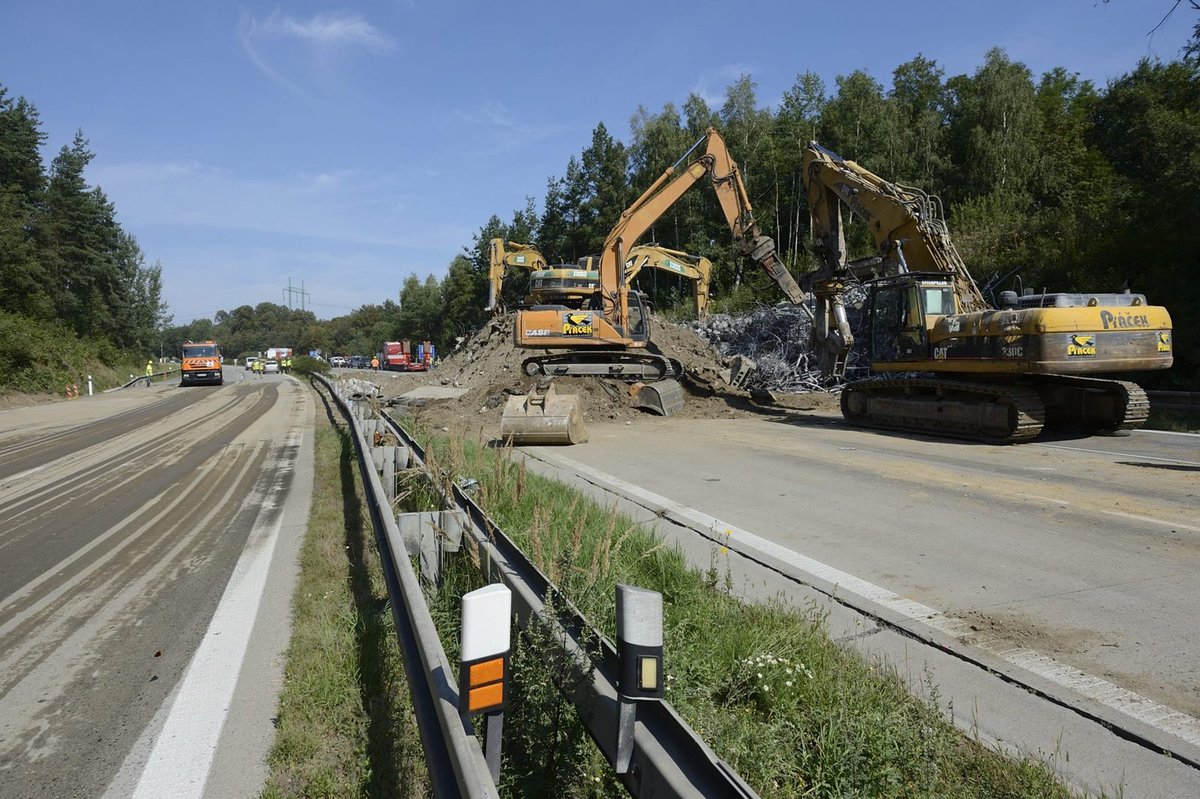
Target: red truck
{"type": "Point", "coordinates": [398, 356]}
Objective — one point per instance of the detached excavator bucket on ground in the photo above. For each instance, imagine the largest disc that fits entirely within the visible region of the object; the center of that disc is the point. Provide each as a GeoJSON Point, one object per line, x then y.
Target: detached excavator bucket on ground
{"type": "Point", "coordinates": [663, 397]}
{"type": "Point", "coordinates": [543, 416]}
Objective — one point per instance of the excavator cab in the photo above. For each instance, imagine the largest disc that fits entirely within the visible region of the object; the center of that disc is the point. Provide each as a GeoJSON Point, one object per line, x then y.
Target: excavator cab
{"type": "Point", "coordinates": [903, 309]}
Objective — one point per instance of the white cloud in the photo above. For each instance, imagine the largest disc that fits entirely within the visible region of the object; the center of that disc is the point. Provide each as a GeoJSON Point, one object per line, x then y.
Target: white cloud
{"type": "Point", "coordinates": [326, 33]}
{"type": "Point", "coordinates": [505, 131]}
{"type": "Point", "coordinates": [326, 30]}
{"type": "Point", "coordinates": [711, 84]}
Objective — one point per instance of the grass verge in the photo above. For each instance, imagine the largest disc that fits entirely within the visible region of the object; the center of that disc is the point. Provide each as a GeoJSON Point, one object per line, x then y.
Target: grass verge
{"type": "Point", "coordinates": [346, 726]}
{"type": "Point", "coordinates": [794, 713]}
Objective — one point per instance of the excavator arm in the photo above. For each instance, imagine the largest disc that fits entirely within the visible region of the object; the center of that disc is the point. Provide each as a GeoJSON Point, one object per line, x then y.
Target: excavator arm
{"type": "Point", "coordinates": [695, 268]}
{"type": "Point", "coordinates": [907, 224]}
{"type": "Point", "coordinates": [503, 254]}
{"type": "Point", "coordinates": [718, 166]}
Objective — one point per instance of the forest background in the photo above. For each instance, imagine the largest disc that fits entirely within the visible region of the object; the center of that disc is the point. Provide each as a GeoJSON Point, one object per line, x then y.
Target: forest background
{"type": "Point", "coordinates": [1051, 180]}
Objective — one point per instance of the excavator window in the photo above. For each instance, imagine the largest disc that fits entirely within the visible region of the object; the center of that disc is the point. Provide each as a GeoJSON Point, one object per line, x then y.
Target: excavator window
{"type": "Point", "coordinates": [639, 325]}
{"type": "Point", "coordinates": [887, 311]}
{"type": "Point", "coordinates": [897, 321]}
{"type": "Point", "coordinates": [939, 300]}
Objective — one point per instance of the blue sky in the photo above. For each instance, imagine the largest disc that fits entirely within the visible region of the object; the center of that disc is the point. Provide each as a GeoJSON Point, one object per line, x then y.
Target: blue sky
{"type": "Point", "coordinates": [347, 145]}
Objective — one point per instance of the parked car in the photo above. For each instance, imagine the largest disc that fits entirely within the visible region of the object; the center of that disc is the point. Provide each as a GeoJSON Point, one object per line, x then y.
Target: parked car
{"type": "Point", "coordinates": [337, 361]}
{"type": "Point", "coordinates": [250, 359]}
{"type": "Point", "coordinates": [359, 362]}
{"type": "Point", "coordinates": [271, 366]}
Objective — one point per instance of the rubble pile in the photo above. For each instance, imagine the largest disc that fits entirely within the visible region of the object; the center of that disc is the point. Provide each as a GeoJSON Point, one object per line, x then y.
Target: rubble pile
{"type": "Point", "coordinates": [779, 340]}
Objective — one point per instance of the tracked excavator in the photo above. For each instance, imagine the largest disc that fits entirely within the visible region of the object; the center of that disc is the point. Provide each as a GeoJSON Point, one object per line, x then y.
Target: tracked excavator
{"type": "Point", "coordinates": [948, 363]}
{"type": "Point", "coordinates": [609, 337]}
{"type": "Point", "coordinates": [574, 285]}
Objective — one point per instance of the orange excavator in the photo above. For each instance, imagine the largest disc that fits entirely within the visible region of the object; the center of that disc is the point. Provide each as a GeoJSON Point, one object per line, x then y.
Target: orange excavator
{"type": "Point", "coordinates": [610, 337]}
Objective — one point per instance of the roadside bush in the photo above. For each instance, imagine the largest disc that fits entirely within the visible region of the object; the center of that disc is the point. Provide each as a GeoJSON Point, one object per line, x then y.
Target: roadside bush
{"type": "Point", "coordinates": [42, 357]}
{"type": "Point", "coordinates": [304, 363]}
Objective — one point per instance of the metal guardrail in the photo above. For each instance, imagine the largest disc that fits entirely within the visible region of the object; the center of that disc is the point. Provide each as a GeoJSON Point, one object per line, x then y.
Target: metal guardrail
{"type": "Point", "coordinates": [454, 758]}
{"type": "Point", "coordinates": [1174, 400]}
{"type": "Point", "coordinates": [668, 759]}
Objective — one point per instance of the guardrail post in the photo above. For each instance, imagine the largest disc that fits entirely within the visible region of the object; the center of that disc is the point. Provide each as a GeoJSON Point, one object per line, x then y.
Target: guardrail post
{"type": "Point", "coordinates": [640, 650]}
{"type": "Point", "coordinates": [388, 475]}
{"type": "Point", "coordinates": [483, 672]}
{"type": "Point", "coordinates": [89, 385]}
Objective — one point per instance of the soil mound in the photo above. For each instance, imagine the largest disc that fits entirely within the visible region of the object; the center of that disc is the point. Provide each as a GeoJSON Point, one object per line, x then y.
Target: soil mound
{"type": "Point", "coordinates": [489, 369]}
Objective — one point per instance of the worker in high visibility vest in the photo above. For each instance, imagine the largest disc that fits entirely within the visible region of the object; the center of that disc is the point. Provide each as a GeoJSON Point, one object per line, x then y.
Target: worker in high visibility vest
{"type": "Point", "coordinates": [149, 371]}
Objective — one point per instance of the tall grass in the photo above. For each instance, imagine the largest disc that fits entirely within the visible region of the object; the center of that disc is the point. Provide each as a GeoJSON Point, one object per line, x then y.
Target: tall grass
{"type": "Point", "coordinates": [794, 713]}
{"type": "Point", "coordinates": [346, 726]}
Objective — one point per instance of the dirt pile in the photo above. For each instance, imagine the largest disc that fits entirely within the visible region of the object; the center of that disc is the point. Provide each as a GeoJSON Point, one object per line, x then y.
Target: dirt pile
{"type": "Point", "coordinates": [487, 367]}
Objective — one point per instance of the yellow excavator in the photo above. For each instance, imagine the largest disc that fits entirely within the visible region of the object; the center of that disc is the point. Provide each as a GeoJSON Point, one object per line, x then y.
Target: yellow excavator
{"type": "Point", "coordinates": [504, 254]}
{"type": "Point", "coordinates": [609, 337]}
{"type": "Point", "coordinates": [984, 373]}
{"type": "Point", "coordinates": [573, 286]}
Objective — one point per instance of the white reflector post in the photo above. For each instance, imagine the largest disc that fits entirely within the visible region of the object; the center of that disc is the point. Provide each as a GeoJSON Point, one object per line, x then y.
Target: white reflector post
{"type": "Point", "coordinates": [639, 641]}
{"type": "Point", "coordinates": [486, 619]}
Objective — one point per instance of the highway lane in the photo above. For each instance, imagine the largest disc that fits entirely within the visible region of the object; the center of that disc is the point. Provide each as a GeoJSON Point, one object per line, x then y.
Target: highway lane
{"type": "Point", "coordinates": [123, 517]}
{"type": "Point", "coordinates": [1082, 554]}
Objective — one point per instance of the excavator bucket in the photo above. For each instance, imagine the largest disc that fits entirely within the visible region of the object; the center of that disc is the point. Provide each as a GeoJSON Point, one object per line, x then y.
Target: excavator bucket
{"type": "Point", "coordinates": [663, 397]}
{"type": "Point", "coordinates": [543, 417]}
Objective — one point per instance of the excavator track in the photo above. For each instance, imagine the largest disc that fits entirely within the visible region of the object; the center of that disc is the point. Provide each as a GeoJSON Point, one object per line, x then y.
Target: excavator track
{"type": "Point", "coordinates": [620, 364]}
{"type": "Point", "coordinates": [1096, 405]}
{"type": "Point", "coordinates": [992, 412]}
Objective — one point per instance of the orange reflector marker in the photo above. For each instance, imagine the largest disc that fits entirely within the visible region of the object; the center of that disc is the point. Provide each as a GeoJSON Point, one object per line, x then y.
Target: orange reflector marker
{"type": "Point", "coordinates": [486, 672]}
{"type": "Point", "coordinates": [485, 698]}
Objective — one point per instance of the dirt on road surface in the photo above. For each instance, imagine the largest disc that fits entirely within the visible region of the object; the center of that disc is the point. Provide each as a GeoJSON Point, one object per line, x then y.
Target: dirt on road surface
{"type": "Point", "coordinates": [487, 367]}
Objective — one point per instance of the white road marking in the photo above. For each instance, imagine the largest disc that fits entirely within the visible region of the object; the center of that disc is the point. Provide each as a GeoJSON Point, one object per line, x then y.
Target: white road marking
{"type": "Point", "coordinates": [179, 763]}
{"type": "Point", "coordinates": [1121, 454]}
{"type": "Point", "coordinates": [1161, 717]}
{"type": "Point", "coordinates": [1151, 520]}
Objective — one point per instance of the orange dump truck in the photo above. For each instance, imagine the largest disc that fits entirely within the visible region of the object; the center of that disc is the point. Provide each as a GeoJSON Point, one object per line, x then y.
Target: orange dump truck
{"type": "Point", "coordinates": [201, 363]}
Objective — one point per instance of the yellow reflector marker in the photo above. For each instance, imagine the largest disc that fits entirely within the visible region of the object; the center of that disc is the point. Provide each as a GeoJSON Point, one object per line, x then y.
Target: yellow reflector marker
{"type": "Point", "coordinates": [487, 696]}
{"type": "Point", "coordinates": [488, 671]}
{"type": "Point", "coordinates": [648, 674]}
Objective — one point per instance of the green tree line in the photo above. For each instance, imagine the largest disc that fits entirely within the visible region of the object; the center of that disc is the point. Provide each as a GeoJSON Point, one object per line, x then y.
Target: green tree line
{"type": "Point", "coordinates": [64, 258]}
{"type": "Point", "coordinates": [1066, 185]}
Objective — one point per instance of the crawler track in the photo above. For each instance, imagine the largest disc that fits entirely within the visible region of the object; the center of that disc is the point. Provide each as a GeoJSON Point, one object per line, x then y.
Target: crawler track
{"type": "Point", "coordinates": [993, 412]}
{"type": "Point", "coordinates": [621, 364]}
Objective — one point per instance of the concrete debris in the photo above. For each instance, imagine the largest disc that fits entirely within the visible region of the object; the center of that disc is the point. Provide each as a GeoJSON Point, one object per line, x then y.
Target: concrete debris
{"type": "Point", "coordinates": [770, 348]}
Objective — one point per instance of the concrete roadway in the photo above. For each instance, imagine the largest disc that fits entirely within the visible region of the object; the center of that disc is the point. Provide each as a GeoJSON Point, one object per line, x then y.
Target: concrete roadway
{"type": "Point", "coordinates": [1069, 565]}
{"type": "Point", "coordinates": [123, 518]}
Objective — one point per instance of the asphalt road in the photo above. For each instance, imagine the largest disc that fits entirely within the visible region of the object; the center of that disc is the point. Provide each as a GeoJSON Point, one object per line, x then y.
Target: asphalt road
{"type": "Point", "coordinates": [123, 518]}
{"type": "Point", "coordinates": [1070, 565]}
